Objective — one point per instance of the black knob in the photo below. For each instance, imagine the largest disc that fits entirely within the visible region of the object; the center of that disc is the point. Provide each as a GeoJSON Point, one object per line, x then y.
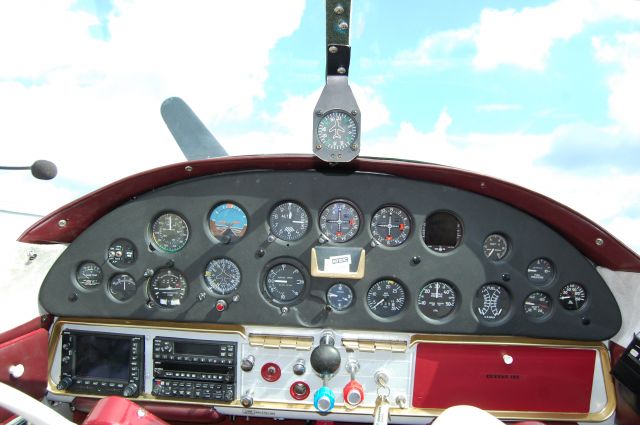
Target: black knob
{"type": "Point", "coordinates": [66, 359]}
{"type": "Point", "coordinates": [157, 390]}
{"type": "Point", "coordinates": [325, 358]}
{"type": "Point", "coordinates": [130, 390]}
{"type": "Point", "coordinates": [64, 383]}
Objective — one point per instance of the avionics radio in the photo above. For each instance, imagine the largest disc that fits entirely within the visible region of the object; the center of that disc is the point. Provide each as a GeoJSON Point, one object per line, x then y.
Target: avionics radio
{"type": "Point", "coordinates": [196, 369]}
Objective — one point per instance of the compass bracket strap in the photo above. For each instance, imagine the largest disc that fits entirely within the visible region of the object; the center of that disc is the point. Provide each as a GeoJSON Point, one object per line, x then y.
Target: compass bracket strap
{"type": "Point", "coordinates": [338, 50]}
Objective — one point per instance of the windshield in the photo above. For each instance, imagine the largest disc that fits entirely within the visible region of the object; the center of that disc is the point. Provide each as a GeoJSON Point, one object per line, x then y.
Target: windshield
{"type": "Point", "coordinates": [540, 93]}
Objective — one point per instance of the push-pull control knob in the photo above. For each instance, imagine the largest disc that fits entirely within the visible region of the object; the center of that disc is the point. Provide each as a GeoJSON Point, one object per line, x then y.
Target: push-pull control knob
{"type": "Point", "coordinates": [130, 390]}
{"type": "Point", "coordinates": [64, 383]}
{"type": "Point", "coordinates": [247, 399]}
{"type": "Point", "coordinates": [324, 399]}
{"type": "Point", "coordinates": [353, 393]}
{"type": "Point", "coordinates": [299, 367]}
{"type": "Point", "coordinates": [247, 363]}
{"type": "Point", "coordinates": [325, 358]}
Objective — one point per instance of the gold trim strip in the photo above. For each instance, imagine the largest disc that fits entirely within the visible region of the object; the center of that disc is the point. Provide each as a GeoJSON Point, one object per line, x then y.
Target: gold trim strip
{"type": "Point", "coordinates": [281, 341]}
{"type": "Point", "coordinates": [371, 346]}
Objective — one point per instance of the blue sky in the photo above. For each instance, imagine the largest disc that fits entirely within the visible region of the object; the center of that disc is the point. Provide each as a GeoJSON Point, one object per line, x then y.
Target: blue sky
{"type": "Point", "coordinates": [541, 93]}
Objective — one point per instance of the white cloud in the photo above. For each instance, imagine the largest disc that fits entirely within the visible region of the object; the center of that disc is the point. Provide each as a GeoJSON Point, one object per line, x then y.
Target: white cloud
{"type": "Point", "coordinates": [498, 107]}
{"type": "Point", "coordinates": [624, 98]}
{"type": "Point", "coordinates": [521, 38]}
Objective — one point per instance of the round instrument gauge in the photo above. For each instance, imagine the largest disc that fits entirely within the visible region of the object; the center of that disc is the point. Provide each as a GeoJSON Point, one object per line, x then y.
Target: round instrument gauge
{"type": "Point", "coordinates": [386, 298]}
{"type": "Point", "coordinates": [167, 288]}
{"type": "Point", "coordinates": [442, 232]}
{"type": "Point", "coordinates": [339, 296]}
{"type": "Point", "coordinates": [541, 271]}
{"type": "Point", "coordinates": [537, 305]}
{"type": "Point", "coordinates": [495, 247]}
{"type": "Point", "coordinates": [122, 287]}
{"type": "Point", "coordinates": [170, 232]}
{"type": "Point", "coordinates": [121, 253]}
{"type": "Point", "coordinates": [289, 221]}
{"type": "Point", "coordinates": [337, 130]}
{"type": "Point", "coordinates": [89, 275]}
{"type": "Point", "coordinates": [437, 300]}
{"type": "Point", "coordinates": [573, 296]}
{"type": "Point", "coordinates": [227, 222]}
{"type": "Point", "coordinates": [284, 283]}
{"type": "Point", "coordinates": [492, 302]}
{"type": "Point", "coordinates": [222, 276]}
{"type": "Point", "coordinates": [339, 221]}
{"type": "Point", "coordinates": [391, 226]}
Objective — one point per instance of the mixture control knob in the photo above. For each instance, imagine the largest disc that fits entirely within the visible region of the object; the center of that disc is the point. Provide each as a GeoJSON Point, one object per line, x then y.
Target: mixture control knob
{"type": "Point", "coordinates": [323, 400]}
{"type": "Point", "coordinates": [246, 400]}
{"type": "Point", "coordinates": [130, 390]}
{"type": "Point", "coordinates": [64, 383]}
{"type": "Point", "coordinates": [247, 363]}
{"type": "Point", "coordinates": [299, 367]}
{"type": "Point", "coordinates": [325, 358]}
{"type": "Point", "coordinates": [353, 393]}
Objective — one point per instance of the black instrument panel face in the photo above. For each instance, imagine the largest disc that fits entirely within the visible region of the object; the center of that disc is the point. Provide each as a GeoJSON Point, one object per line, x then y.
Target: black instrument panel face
{"type": "Point", "coordinates": [236, 249]}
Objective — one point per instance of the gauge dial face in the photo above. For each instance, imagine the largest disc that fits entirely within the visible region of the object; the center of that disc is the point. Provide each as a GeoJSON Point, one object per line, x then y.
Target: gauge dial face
{"type": "Point", "coordinates": [222, 276]}
{"type": "Point", "coordinates": [391, 226]}
{"type": "Point", "coordinates": [227, 222]}
{"type": "Point", "coordinates": [537, 305]}
{"type": "Point", "coordinates": [492, 302]}
{"type": "Point", "coordinates": [170, 232]}
{"type": "Point", "coordinates": [437, 300]}
{"type": "Point", "coordinates": [339, 221]}
{"type": "Point", "coordinates": [495, 247]}
{"type": "Point", "coordinates": [289, 221]}
{"type": "Point", "coordinates": [284, 283]}
{"type": "Point", "coordinates": [89, 275]}
{"type": "Point", "coordinates": [167, 288]}
{"type": "Point", "coordinates": [122, 287]}
{"type": "Point", "coordinates": [573, 296]}
{"type": "Point", "coordinates": [386, 298]}
{"type": "Point", "coordinates": [541, 271]}
{"type": "Point", "coordinates": [337, 130]}
{"type": "Point", "coordinates": [121, 253]}
{"type": "Point", "coordinates": [339, 296]}
{"type": "Point", "coordinates": [442, 232]}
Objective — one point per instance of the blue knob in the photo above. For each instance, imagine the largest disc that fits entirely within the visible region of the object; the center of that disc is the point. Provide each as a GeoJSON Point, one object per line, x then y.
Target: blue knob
{"type": "Point", "coordinates": [323, 400]}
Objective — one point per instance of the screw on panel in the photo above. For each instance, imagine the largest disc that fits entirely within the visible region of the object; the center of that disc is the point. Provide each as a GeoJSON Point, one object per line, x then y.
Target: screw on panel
{"type": "Point", "coordinates": [31, 255]}
{"type": "Point", "coordinates": [62, 223]}
{"type": "Point", "coordinates": [354, 112]}
{"type": "Point", "coordinates": [355, 147]}
{"type": "Point", "coordinates": [599, 241]}
{"type": "Point", "coordinates": [284, 310]}
{"type": "Point", "coordinates": [342, 70]}
{"type": "Point", "coordinates": [318, 112]}
{"type": "Point", "coordinates": [318, 147]}
{"type": "Point", "coordinates": [141, 413]}
{"type": "Point", "coordinates": [343, 25]}
{"type": "Point", "coordinates": [271, 238]}
{"type": "Point", "coordinates": [338, 10]}
{"type": "Point", "coordinates": [260, 253]}
{"type": "Point", "coordinates": [236, 298]}
{"type": "Point", "coordinates": [202, 296]}
{"type": "Point", "coordinates": [333, 49]}
{"type": "Point", "coordinates": [188, 168]}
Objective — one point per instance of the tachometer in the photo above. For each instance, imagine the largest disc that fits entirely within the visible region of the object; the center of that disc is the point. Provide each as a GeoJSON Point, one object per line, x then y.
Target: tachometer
{"type": "Point", "coordinates": [339, 221]}
{"type": "Point", "coordinates": [170, 232]}
{"type": "Point", "coordinates": [289, 221]}
{"type": "Point", "coordinates": [222, 276]}
{"type": "Point", "coordinates": [391, 226]}
{"type": "Point", "coordinates": [537, 305]}
{"type": "Point", "coordinates": [573, 296]}
{"type": "Point", "coordinates": [541, 271]}
{"type": "Point", "coordinates": [227, 222]}
{"type": "Point", "coordinates": [492, 302]}
{"type": "Point", "coordinates": [386, 298]}
{"type": "Point", "coordinates": [437, 300]}
{"type": "Point", "coordinates": [495, 247]}
{"type": "Point", "coordinates": [122, 287]}
{"type": "Point", "coordinates": [339, 296]}
{"type": "Point", "coordinates": [284, 283]}
{"type": "Point", "coordinates": [89, 275]}
{"type": "Point", "coordinates": [168, 287]}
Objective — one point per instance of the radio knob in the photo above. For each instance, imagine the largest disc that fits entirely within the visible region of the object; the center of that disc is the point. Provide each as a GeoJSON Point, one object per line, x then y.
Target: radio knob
{"type": "Point", "coordinates": [64, 383]}
{"type": "Point", "coordinates": [157, 389]}
{"type": "Point", "coordinates": [130, 390]}
{"type": "Point", "coordinates": [228, 396]}
{"type": "Point", "coordinates": [248, 363]}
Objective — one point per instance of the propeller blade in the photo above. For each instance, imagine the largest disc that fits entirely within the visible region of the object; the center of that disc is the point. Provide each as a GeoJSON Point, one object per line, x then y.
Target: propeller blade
{"type": "Point", "coordinates": [194, 139]}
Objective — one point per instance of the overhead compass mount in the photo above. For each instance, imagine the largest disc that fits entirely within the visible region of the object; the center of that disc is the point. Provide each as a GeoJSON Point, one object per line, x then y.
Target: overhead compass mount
{"type": "Point", "coordinates": [336, 117]}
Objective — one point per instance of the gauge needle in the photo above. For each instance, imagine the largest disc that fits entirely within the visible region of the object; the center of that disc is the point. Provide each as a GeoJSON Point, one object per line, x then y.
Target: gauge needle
{"type": "Point", "coordinates": [170, 223]}
{"type": "Point", "coordinates": [529, 303]}
{"type": "Point", "coordinates": [333, 295]}
{"type": "Point", "coordinates": [491, 252]}
{"type": "Point", "coordinates": [280, 281]}
{"type": "Point", "coordinates": [297, 221]}
{"type": "Point", "coordinates": [378, 303]}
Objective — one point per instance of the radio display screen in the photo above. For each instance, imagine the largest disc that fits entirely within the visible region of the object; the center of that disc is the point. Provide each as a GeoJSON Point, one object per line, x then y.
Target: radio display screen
{"type": "Point", "coordinates": [184, 347]}
{"type": "Point", "coordinates": [104, 357]}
